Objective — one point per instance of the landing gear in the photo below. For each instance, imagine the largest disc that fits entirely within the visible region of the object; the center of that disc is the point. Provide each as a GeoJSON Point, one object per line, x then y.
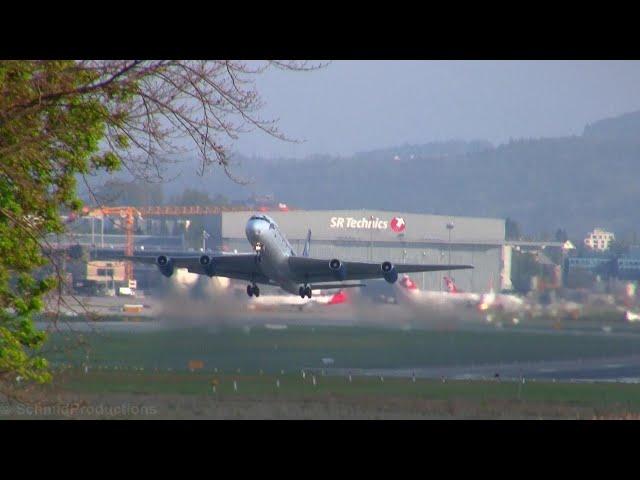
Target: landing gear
{"type": "Point", "coordinates": [305, 291]}
{"type": "Point", "coordinates": [253, 290]}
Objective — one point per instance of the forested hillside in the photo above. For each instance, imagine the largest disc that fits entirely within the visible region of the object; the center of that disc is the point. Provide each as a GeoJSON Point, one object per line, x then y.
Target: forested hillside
{"type": "Point", "coordinates": [574, 183]}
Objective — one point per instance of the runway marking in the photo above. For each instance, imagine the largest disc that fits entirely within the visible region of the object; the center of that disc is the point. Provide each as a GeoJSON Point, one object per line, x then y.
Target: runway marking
{"type": "Point", "coordinates": [466, 376]}
{"type": "Point", "coordinates": [628, 380]}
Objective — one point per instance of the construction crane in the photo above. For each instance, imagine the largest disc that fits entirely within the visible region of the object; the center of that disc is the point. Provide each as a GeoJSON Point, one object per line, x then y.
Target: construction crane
{"type": "Point", "coordinates": [181, 211]}
{"type": "Point", "coordinates": [131, 214]}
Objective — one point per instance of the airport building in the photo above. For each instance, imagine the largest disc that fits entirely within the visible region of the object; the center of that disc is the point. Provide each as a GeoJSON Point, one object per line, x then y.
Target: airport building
{"type": "Point", "coordinates": [376, 236]}
{"type": "Point", "coordinates": [599, 239]}
{"type": "Point", "coordinates": [622, 267]}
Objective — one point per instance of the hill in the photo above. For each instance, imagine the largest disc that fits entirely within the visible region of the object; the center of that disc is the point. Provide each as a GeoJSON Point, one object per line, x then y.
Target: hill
{"type": "Point", "coordinates": [574, 183]}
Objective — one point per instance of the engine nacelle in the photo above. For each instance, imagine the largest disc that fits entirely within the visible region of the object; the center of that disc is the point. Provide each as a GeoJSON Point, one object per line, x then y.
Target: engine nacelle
{"type": "Point", "coordinates": [165, 265]}
{"type": "Point", "coordinates": [389, 272]}
{"type": "Point", "coordinates": [338, 269]}
{"type": "Point", "coordinates": [207, 265]}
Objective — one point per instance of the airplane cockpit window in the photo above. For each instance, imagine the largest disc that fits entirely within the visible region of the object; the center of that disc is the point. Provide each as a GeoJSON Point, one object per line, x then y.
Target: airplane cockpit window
{"type": "Point", "coordinates": [266, 218]}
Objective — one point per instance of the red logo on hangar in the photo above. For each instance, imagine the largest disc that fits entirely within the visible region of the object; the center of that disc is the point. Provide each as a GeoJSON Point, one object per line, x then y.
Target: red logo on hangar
{"type": "Point", "coordinates": [398, 224]}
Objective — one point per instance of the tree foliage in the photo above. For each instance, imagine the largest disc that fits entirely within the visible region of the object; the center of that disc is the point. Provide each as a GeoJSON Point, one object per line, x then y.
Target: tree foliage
{"type": "Point", "coordinates": [512, 229]}
{"type": "Point", "coordinates": [561, 235]}
{"type": "Point", "coordinates": [523, 268]}
{"type": "Point", "coordinates": [64, 120]}
{"type": "Point", "coordinates": [576, 182]}
{"type": "Point", "coordinates": [135, 193]}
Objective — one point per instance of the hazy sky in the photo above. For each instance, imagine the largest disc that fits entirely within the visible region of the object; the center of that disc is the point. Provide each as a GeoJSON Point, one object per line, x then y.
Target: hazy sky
{"type": "Point", "coordinates": [353, 106]}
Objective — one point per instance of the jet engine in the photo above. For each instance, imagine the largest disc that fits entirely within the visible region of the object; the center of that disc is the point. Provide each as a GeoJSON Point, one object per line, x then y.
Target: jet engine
{"type": "Point", "coordinates": [389, 272]}
{"type": "Point", "coordinates": [338, 269]}
{"type": "Point", "coordinates": [207, 264]}
{"type": "Point", "coordinates": [165, 265]}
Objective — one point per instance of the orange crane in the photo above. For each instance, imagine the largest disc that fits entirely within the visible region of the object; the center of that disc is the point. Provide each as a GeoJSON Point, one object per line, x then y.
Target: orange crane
{"type": "Point", "coordinates": [130, 214]}
{"type": "Point", "coordinates": [181, 211]}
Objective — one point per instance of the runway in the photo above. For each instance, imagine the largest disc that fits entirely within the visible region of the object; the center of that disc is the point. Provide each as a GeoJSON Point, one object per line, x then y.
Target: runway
{"type": "Point", "coordinates": [612, 369]}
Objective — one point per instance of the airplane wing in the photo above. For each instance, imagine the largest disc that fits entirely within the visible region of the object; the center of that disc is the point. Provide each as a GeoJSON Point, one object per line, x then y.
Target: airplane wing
{"type": "Point", "coordinates": [320, 270]}
{"type": "Point", "coordinates": [240, 266]}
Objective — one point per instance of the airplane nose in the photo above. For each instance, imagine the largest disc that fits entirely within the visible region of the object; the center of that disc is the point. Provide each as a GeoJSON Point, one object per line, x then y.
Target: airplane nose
{"type": "Point", "coordinates": [254, 230]}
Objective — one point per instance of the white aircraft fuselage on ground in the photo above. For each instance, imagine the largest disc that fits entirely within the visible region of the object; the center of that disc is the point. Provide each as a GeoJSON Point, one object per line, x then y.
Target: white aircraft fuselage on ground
{"type": "Point", "coordinates": [410, 292]}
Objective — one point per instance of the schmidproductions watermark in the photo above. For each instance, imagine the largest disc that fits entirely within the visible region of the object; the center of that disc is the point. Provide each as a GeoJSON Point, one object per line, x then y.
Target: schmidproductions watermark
{"type": "Point", "coordinates": [75, 410]}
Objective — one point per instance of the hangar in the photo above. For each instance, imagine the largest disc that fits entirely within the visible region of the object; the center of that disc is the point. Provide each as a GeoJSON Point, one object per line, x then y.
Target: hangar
{"type": "Point", "coordinates": [377, 235]}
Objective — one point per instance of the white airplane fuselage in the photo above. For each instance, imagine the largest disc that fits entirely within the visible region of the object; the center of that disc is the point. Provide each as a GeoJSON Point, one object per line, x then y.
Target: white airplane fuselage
{"type": "Point", "coordinates": [274, 249]}
{"type": "Point", "coordinates": [284, 301]}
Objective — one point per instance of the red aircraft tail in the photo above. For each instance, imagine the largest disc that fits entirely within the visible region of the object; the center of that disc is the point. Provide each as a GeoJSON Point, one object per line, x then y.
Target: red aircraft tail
{"type": "Point", "coordinates": [338, 298]}
{"type": "Point", "coordinates": [407, 283]}
{"type": "Point", "coordinates": [451, 286]}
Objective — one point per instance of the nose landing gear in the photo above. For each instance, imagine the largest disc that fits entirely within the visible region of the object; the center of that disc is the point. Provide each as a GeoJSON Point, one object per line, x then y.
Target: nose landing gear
{"type": "Point", "coordinates": [253, 290]}
{"type": "Point", "coordinates": [305, 291]}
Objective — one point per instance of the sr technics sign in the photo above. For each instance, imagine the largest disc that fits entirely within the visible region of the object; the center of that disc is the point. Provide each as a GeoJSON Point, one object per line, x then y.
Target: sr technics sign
{"type": "Point", "coordinates": [397, 224]}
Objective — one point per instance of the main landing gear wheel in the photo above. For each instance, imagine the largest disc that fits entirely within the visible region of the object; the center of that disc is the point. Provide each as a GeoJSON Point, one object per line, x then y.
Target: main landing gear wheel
{"type": "Point", "coordinates": [253, 290]}
{"type": "Point", "coordinates": [305, 291]}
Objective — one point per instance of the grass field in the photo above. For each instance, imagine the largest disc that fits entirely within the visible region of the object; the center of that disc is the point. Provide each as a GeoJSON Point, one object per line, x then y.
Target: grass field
{"type": "Point", "coordinates": [144, 395]}
{"type": "Point", "coordinates": [148, 372]}
{"type": "Point", "coordinates": [304, 347]}
{"type": "Point", "coordinates": [299, 386]}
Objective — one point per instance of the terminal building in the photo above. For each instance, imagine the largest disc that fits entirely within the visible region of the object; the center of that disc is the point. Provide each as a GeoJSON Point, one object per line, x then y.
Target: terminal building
{"type": "Point", "coordinates": [376, 236]}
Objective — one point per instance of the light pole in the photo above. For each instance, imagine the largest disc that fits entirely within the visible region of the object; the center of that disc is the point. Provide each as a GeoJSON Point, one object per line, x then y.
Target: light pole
{"type": "Point", "coordinates": [424, 256]}
{"type": "Point", "coordinates": [450, 227]}
{"type": "Point", "coordinates": [205, 235]}
{"type": "Point", "coordinates": [371, 239]}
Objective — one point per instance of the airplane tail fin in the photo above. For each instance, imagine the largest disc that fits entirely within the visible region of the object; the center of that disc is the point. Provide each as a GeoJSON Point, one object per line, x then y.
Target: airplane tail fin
{"type": "Point", "coordinates": [407, 283]}
{"type": "Point", "coordinates": [340, 297]}
{"type": "Point", "coordinates": [451, 286]}
{"type": "Point", "coordinates": [307, 245]}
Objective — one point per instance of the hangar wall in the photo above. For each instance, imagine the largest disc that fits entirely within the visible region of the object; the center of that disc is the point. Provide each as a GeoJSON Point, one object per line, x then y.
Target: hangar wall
{"type": "Point", "coordinates": [374, 235]}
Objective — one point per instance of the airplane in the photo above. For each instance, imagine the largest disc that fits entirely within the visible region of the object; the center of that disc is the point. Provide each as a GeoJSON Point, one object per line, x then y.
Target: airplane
{"type": "Point", "coordinates": [500, 302]}
{"type": "Point", "coordinates": [460, 294]}
{"type": "Point", "coordinates": [274, 262]}
{"type": "Point", "coordinates": [452, 297]}
{"type": "Point", "coordinates": [486, 303]}
{"type": "Point", "coordinates": [271, 302]}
